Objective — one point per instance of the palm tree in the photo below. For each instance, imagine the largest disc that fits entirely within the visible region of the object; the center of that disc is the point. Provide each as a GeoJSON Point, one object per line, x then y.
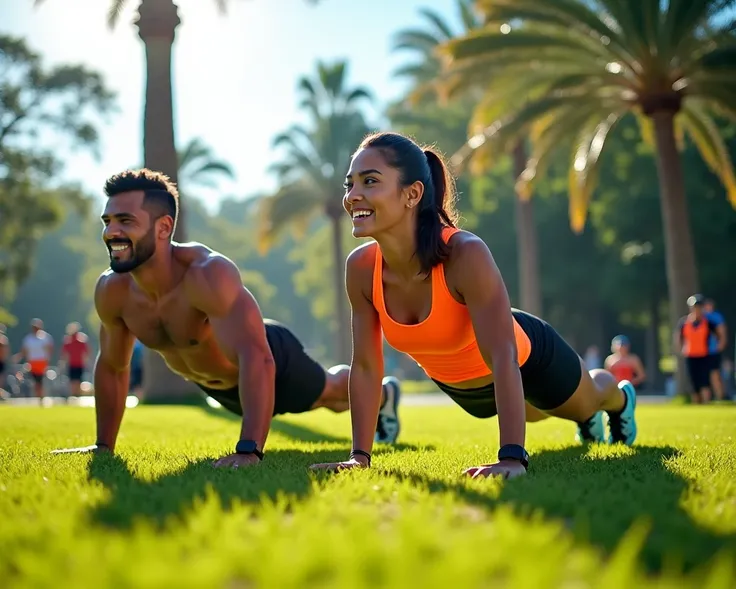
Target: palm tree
{"type": "Point", "coordinates": [425, 74]}
{"type": "Point", "coordinates": [585, 64]}
{"type": "Point", "coordinates": [317, 159]}
{"type": "Point", "coordinates": [198, 165]}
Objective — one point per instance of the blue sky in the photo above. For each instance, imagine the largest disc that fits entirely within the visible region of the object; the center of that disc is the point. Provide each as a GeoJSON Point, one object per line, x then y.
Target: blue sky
{"type": "Point", "coordinates": [247, 63]}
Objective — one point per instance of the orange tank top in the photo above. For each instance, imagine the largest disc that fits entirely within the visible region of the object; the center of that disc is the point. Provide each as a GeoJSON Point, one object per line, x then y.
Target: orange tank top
{"type": "Point", "coordinates": [444, 344]}
{"type": "Point", "coordinates": [695, 338]}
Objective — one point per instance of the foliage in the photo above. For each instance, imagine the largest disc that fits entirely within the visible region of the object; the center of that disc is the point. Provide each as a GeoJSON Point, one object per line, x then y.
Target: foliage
{"type": "Point", "coordinates": [40, 109]}
{"type": "Point", "coordinates": [583, 65]}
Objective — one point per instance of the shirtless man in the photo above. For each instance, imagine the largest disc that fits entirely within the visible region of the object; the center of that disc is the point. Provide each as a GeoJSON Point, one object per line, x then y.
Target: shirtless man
{"type": "Point", "coordinates": [188, 303]}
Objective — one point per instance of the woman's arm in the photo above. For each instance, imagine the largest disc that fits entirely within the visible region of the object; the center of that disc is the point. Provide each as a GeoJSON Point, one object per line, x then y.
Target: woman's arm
{"type": "Point", "coordinates": [366, 369]}
{"type": "Point", "coordinates": [481, 285]}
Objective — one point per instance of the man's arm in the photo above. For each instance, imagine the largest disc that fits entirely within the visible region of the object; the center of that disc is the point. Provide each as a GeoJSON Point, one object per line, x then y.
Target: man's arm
{"type": "Point", "coordinates": [216, 289]}
{"type": "Point", "coordinates": [111, 371]}
{"type": "Point", "coordinates": [112, 367]}
{"type": "Point", "coordinates": [721, 336]}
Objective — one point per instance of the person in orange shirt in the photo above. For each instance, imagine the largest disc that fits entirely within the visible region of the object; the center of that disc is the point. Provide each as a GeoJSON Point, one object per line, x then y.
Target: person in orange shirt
{"type": "Point", "coordinates": [37, 349]}
{"type": "Point", "coordinates": [692, 339]}
{"type": "Point", "coordinates": [435, 293]}
{"type": "Point", "coordinates": [623, 364]}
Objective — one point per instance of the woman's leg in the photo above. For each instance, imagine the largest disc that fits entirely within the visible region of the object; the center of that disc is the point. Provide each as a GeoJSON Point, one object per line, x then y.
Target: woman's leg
{"type": "Point", "coordinates": [533, 414]}
{"type": "Point", "coordinates": [598, 390]}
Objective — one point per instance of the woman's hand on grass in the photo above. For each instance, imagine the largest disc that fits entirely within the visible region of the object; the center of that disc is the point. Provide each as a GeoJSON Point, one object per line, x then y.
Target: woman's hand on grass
{"type": "Point", "coordinates": [508, 469]}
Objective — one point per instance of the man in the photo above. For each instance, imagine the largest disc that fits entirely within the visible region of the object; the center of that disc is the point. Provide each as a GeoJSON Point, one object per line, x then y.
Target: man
{"type": "Point", "coordinates": [75, 353]}
{"type": "Point", "coordinates": [187, 302]}
{"type": "Point", "coordinates": [4, 357]}
{"type": "Point", "coordinates": [37, 348]}
{"type": "Point", "coordinates": [714, 348]}
{"type": "Point", "coordinates": [691, 339]}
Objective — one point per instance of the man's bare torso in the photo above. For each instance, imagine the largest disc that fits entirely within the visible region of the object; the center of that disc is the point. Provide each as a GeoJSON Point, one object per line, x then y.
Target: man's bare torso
{"type": "Point", "coordinates": [172, 326]}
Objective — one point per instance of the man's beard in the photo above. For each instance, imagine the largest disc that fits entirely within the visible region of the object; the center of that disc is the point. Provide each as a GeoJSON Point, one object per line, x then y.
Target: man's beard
{"type": "Point", "coordinates": [139, 253]}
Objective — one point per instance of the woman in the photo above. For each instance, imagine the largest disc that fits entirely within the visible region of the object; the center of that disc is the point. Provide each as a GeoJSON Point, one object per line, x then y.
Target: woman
{"type": "Point", "coordinates": [623, 364]}
{"type": "Point", "coordinates": [437, 295]}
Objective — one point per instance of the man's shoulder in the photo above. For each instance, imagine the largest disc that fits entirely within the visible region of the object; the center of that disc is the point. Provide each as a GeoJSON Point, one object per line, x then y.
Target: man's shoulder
{"type": "Point", "coordinates": [113, 282]}
{"type": "Point", "coordinates": [715, 317]}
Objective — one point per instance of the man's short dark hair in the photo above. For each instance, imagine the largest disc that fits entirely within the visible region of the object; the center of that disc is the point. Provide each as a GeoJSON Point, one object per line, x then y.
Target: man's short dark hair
{"type": "Point", "coordinates": [161, 196]}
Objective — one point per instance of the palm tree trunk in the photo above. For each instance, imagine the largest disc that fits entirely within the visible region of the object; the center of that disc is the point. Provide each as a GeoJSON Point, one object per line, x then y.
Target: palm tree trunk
{"type": "Point", "coordinates": [157, 24]}
{"type": "Point", "coordinates": [343, 351]}
{"type": "Point", "coordinates": [526, 243]}
{"type": "Point", "coordinates": [682, 273]}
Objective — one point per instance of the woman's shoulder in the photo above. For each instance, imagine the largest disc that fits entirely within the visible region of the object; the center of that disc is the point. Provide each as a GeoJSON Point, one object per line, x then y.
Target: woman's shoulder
{"type": "Point", "coordinates": [466, 246]}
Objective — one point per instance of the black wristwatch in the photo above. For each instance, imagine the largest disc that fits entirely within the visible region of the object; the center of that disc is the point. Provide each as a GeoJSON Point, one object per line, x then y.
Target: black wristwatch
{"type": "Point", "coordinates": [514, 452]}
{"type": "Point", "coordinates": [248, 447]}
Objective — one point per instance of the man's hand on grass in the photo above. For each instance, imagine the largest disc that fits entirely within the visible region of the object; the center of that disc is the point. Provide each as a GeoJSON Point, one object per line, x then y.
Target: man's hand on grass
{"type": "Point", "coordinates": [237, 461]}
{"type": "Point", "coordinates": [93, 449]}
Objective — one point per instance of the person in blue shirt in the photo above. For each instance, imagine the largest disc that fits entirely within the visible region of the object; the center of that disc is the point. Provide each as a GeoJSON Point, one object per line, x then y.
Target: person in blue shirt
{"type": "Point", "coordinates": [716, 344]}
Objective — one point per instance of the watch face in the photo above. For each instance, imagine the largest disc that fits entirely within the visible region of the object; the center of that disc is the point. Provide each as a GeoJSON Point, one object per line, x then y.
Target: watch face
{"type": "Point", "coordinates": [246, 447]}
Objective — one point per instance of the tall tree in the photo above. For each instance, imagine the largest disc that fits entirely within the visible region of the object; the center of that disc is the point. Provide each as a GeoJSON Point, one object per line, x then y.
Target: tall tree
{"type": "Point", "coordinates": [40, 109]}
{"type": "Point", "coordinates": [587, 63]}
{"type": "Point", "coordinates": [317, 159]}
{"type": "Point", "coordinates": [424, 74]}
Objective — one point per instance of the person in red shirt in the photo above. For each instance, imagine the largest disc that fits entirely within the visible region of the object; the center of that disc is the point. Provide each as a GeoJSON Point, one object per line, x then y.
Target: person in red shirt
{"type": "Point", "coordinates": [623, 364]}
{"type": "Point", "coordinates": [75, 353]}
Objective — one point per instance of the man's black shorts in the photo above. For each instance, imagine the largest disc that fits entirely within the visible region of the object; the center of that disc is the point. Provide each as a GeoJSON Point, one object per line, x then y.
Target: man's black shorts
{"type": "Point", "coordinates": [550, 376]}
{"type": "Point", "coordinates": [715, 361]}
{"type": "Point", "coordinates": [299, 379]}
{"type": "Point", "coordinates": [76, 373]}
{"type": "Point", "coordinates": [698, 369]}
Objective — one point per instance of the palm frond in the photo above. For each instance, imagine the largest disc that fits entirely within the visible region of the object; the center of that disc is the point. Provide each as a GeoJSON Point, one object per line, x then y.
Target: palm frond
{"type": "Point", "coordinates": [293, 205]}
{"type": "Point", "coordinates": [704, 132]}
{"type": "Point", "coordinates": [554, 131]}
{"type": "Point", "coordinates": [438, 23]}
{"type": "Point", "coordinates": [585, 167]}
{"type": "Point", "coordinates": [114, 12]}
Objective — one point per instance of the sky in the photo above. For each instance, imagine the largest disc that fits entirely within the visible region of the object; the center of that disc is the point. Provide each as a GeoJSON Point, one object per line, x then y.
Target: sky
{"type": "Point", "coordinates": [247, 62]}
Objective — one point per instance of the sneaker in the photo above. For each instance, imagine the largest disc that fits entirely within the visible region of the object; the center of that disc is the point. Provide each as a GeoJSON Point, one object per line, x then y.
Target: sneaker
{"type": "Point", "coordinates": [623, 425]}
{"type": "Point", "coordinates": [388, 426]}
{"type": "Point", "coordinates": [593, 430]}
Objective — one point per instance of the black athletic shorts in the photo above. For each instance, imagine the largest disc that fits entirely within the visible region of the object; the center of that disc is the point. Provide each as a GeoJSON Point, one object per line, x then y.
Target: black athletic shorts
{"type": "Point", "coordinates": [76, 373]}
{"type": "Point", "coordinates": [2, 366]}
{"type": "Point", "coordinates": [299, 379]}
{"type": "Point", "coordinates": [550, 376]}
{"type": "Point", "coordinates": [713, 359]}
{"type": "Point", "coordinates": [699, 371]}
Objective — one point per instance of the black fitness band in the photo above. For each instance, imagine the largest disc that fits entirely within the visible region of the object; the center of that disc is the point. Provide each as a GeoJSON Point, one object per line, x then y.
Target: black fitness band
{"type": "Point", "coordinates": [360, 453]}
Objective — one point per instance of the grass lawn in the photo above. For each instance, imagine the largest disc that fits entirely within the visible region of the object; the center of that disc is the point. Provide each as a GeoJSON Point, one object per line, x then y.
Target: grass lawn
{"type": "Point", "coordinates": [661, 514]}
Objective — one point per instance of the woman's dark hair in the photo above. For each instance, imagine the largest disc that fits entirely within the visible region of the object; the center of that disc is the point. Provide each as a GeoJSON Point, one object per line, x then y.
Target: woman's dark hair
{"type": "Point", "coordinates": [437, 207]}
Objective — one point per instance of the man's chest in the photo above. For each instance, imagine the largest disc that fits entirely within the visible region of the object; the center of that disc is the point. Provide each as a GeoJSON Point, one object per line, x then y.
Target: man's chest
{"type": "Point", "coordinates": [162, 325]}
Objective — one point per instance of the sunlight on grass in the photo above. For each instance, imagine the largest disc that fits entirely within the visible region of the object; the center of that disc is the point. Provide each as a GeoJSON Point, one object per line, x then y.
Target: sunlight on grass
{"type": "Point", "coordinates": [661, 514]}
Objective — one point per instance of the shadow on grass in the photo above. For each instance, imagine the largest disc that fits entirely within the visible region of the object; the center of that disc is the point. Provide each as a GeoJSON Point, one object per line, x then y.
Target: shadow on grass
{"type": "Point", "coordinates": [284, 472]}
{"type": "Point", "coordinates": [600, 498]}
{"type": "Point", "coordinates": [301, 433]}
